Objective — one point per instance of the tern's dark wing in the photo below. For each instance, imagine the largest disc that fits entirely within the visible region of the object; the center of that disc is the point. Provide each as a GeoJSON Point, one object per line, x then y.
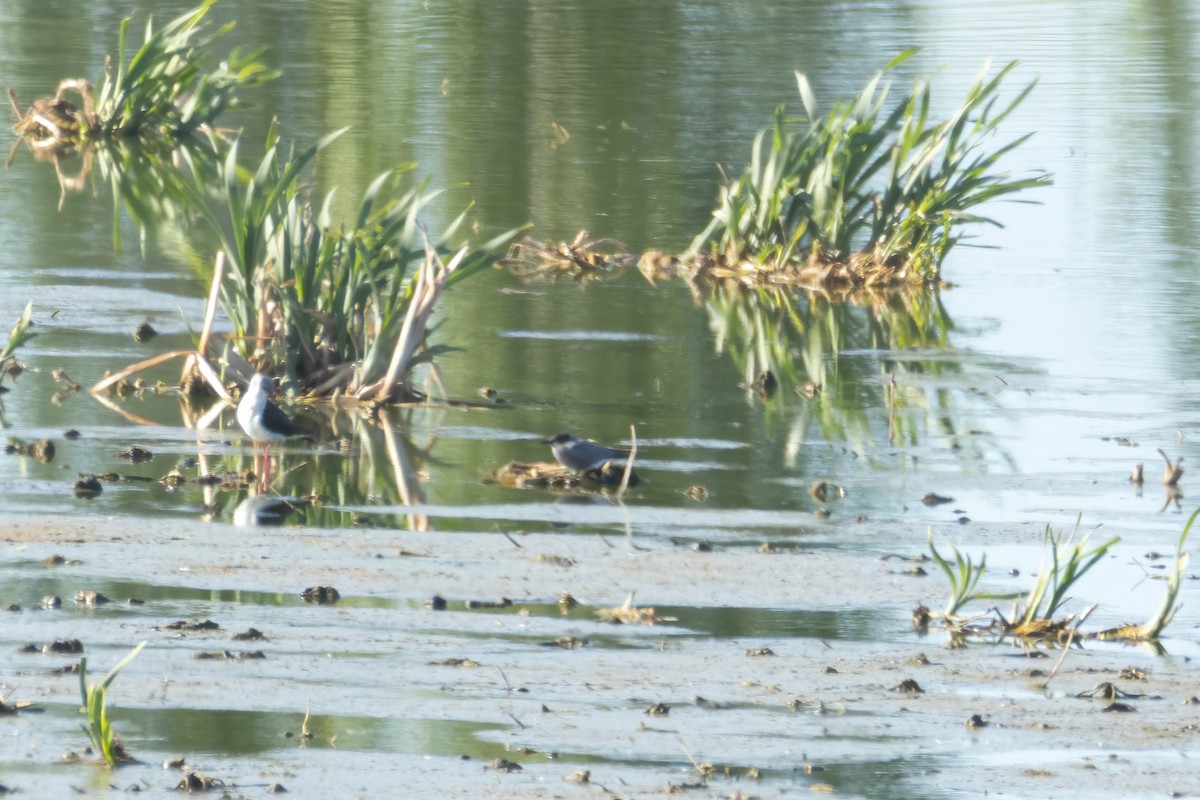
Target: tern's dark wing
{"type": "Point", "coordinates": [281, 423]}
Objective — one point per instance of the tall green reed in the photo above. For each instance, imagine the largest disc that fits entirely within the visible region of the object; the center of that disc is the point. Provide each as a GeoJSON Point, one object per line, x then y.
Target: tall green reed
{"type": "Point", "coordinates": [171, 85]}
{"type": "Point", "coordinates": [336, 309]}
{"type": "Point", "coordinates": [864, 184]}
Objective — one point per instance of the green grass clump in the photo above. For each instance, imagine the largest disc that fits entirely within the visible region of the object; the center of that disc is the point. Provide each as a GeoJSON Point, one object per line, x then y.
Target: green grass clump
{"type": "Point", "coordinates": [334, 309]}
{"type": "Point", "coordinates": [863, 194]}
{"type": "Point", "coordinates": [170, 88]}
{"type": "Point", "coordinates": [1069, 560]}
{"type": "Point", "coordinates": [99, 730]}
{"type": "Point", "coordinates": [1036, 614]}
{"type": "Point", "coordinates": [19, 334]}
{"type": "Point", "coordinates": [171, 84]}
{"type": "Point", "coordinates": [964, 575]}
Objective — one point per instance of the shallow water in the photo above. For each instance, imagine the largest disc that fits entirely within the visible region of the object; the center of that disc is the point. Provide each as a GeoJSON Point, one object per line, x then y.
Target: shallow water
{"type": "Point", "coordinates": [1070, 328]}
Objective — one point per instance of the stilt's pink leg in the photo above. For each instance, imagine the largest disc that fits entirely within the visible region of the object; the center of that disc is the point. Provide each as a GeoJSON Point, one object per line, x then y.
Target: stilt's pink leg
{"type": "Point", "coordinates": [266, 479]}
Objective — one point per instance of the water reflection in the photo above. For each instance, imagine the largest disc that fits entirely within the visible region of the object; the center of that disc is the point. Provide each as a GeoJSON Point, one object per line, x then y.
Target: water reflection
{"type": "Point", "coordinates": [362, 457]}
{"type": "Point", "coordinates": [260, 510]}
{"type": "Point", "coordinates": [833, 362]}
{"type": "Point", "coordinates": [72, 169]}
{"type": "Point", "coordinates": [148, 180]}
{"type": "Point", "coordinates": [228, 732]}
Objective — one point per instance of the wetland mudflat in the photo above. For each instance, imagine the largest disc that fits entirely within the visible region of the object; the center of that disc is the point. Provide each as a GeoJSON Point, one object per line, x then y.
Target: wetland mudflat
{"type": "Point", "coordinates": [782, 651]}
{"type": "Point", "coordinates": [788, 662]}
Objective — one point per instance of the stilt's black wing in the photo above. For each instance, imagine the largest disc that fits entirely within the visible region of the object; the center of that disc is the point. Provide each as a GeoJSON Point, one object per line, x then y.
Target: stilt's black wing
{"type": "Point", "coordinates": [277, 421]}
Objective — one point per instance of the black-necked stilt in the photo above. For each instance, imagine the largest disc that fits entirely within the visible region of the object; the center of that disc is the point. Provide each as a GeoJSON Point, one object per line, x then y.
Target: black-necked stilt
{"type": "Point", "coordinates": [262, 420]}
{"type": "Point", "coordinates": [583, 455]}
{"type": "Point", "coordinates": [263, 510]}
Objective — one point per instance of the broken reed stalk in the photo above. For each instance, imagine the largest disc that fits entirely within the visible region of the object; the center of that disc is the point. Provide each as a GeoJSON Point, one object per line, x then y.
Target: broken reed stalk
{"type": "Point", "coordinates": [201, 364]}
{"type": "Point", "coordinates": [1173, 472]}
{"type": "Point", "coordinates": [432, 275]}
{"type": "Point", "coordinates": [210, 310]}
{"type": "Point", "coordinates": [1170, 604]}
{"type": "Point", "coordinates": [192, 364]}
{"type": "Point", "coordinates": [402, 353]}
{"type": "Point", "coordinates": [628, 463]}
{"type": "Point", "coordinates": [700, 770]}
{"type": "Point", "coordinates": [1066, 648]}
{"type": "Point", "coordinates": [133, 369]}
{"type": "Point", "coordinates": [194, 360]}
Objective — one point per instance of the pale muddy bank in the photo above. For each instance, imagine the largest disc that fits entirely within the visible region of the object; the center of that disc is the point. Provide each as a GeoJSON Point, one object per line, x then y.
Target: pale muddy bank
{"type": "Point", "coordinates": [782, 662]}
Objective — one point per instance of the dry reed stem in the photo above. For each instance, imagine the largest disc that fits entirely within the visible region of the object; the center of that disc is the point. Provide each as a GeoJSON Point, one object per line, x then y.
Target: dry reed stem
{"type": "Point", "coordinates": [210, 310]}
{"type": "Point", "coordinates": [400, 355]}
{"type": "Point", "coordinates": [628, 463]}
{"type": "Point", "coordinates": [138, 367]}
{"type": "Point", "coordinates": [432, 275]}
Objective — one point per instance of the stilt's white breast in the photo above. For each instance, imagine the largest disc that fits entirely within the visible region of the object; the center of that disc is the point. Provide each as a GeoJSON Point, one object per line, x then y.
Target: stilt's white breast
{"type": "Point", "coordinates": [250, 411]}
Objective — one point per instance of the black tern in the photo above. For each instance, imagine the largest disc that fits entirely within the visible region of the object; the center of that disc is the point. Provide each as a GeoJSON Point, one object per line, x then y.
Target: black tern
{"type": "Point", "coordinates": [583, 455]}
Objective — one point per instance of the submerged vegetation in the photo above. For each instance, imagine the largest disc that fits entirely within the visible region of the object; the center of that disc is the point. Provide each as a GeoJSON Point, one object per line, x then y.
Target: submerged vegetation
{"type": "Point", "coordinates": [1035, 614]}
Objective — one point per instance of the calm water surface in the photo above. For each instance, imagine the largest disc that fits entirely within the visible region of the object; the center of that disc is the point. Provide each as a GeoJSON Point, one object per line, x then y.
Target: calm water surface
{"type": "Point", "coordinates": [1071, 327]}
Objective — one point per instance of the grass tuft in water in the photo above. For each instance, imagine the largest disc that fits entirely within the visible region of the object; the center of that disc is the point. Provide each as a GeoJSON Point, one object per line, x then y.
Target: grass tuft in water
{"type": "Point", "coordinates": [1035, 615]}
{"type": "Point", "coordinates": [99, 730]}
{"type": "Point", "coordinates": [964, 575]}
{"type": "Point", "coordinates": [170, 85]}
{"type": "Point", "coordinates": [1152, 629]}
{"type": "Point", "coordinates": [1170, 603]}
{"type": "Point", "coordinates": [334, 309]}
{"type": "Point", "coordinates": [1069, 561]}
{"type": "Point", "coordinates": [863, 194]}
{"type": "Point", "coordinates": [19, 334]}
